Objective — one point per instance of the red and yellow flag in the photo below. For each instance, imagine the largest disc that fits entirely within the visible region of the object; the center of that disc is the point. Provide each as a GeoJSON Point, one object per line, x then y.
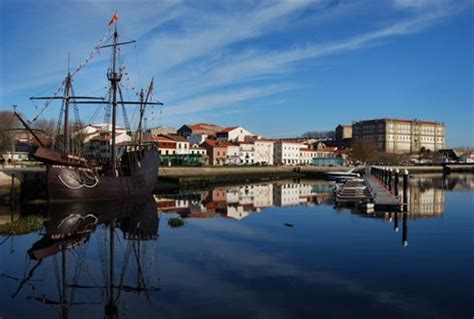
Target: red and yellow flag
{"type": "Point", "coordinates": [114, 19]}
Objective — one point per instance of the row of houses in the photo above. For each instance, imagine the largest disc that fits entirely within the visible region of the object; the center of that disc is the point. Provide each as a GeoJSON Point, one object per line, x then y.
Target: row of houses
{"type": "Point", "coordinates": [209, 144]}
{"type": "Point", "coordinates": [205, 144]}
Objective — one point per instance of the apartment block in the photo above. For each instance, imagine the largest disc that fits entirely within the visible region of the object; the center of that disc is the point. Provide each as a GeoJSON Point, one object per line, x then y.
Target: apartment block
{"type": "Point", "coordinates": [401, 136]}
{"type": "Point", "coordinates": [287, 153]}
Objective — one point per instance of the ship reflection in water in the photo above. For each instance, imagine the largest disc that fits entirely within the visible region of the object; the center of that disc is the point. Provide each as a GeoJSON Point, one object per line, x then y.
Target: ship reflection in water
{"type": "Point", "coordinates": [125, 245]}
{"type": "Point", "coordinates": [275, 249]}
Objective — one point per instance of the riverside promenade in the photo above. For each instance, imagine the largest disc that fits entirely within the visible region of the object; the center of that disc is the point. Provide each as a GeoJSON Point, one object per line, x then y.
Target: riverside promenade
{"type": "Point", "coordinates": [202, 176]}
{"type": "Point", "coordinates": [179, 176]}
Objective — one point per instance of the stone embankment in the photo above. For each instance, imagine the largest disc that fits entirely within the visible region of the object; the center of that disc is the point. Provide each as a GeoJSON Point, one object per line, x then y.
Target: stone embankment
{"type": "Point", "coordinates": [202, 176]}
{"type": "Point", "coordinates": [213, 175]}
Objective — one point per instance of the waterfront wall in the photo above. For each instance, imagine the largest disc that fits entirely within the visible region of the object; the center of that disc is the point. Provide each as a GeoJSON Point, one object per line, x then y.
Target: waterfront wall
{"type": "Point", "coordinates": [209, 175]}
{"type": "Point", "coordinates": [202, 176]}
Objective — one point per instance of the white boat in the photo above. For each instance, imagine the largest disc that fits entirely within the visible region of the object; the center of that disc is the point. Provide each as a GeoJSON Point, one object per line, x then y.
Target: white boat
{"type": "Point", "coordinates": [342, 175]}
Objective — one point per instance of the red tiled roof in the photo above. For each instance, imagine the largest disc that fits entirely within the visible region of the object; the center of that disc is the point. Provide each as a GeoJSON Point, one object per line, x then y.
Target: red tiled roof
{"type": "Point", "coordinates": [158, 138]}
{"type": "Point", "coordinates": [288, 142]}
{"type": "Point", "coordinates": [399, 121]}
{"type": "Point", "coordinates": [262, 140]}
{"type": "Point", "coordinates": [177, 138]}
{"type": "Point", "coordinates": [228, 129]}
{"type": "Point", "coordinates": [214, 143]}
{"type": "Point", "coordinates": [228, 143]}
{"type": "Point", "coordinates": [204, 126]}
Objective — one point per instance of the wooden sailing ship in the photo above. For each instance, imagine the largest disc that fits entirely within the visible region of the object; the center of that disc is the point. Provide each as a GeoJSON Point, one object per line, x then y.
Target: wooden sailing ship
{"type": "Point", "coordinates": [71, 177]}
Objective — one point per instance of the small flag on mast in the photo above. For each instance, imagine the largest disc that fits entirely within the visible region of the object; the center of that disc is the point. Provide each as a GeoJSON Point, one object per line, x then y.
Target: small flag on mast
{"type": "Point", "coordinates": [114, 19]}
{"type": "Point", "coordinates": [150, 88]}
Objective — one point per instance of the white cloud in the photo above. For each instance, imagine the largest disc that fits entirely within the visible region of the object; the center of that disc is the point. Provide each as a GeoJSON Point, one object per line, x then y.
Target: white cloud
{"type": "Point", "coordinates": [419, 4]}
{"type": "Point", "coordinates": [197, 63]}
{"type": "Point", "coordinates": [213, 101]}
{"type": "Point", "coordinates": [255, 65]}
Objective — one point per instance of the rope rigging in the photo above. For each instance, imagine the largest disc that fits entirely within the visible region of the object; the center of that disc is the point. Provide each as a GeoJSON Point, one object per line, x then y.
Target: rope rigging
{"type": "Point", "coordinates": [93, 54]}
{"type": "Point", "coordinates": [124, 111]}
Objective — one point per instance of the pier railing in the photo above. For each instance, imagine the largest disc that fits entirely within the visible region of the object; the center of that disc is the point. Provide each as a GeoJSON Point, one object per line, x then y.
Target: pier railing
{"type": "Point", "coordinates": [390, 177]}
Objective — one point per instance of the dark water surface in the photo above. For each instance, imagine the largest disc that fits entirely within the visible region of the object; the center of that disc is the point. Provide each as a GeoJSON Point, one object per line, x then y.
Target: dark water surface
{"type": "Point", "coordinates": [253, 251]}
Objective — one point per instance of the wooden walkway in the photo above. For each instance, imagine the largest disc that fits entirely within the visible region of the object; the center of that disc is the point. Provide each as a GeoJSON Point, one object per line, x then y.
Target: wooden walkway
{"type": "Point", "coordinates": [383, 199]}
{"type": "Point", "coordinates": [369, 190]}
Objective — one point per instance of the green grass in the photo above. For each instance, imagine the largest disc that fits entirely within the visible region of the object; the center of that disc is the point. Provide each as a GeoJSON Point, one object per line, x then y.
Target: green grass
{"type": "Point", "coordinates": [22, 226]}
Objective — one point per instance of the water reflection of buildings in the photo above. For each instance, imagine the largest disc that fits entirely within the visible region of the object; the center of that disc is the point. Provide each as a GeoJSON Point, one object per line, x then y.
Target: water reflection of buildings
{"type": "Point", "coordinates": [240, 201]}
{"type": "Point", "coordinates": [425, 202]}
{"type": "Point", "coordinates": [427, 192]}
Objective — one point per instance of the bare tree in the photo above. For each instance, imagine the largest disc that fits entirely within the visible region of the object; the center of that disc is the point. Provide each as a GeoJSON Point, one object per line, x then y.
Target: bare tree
{"type": "Point", "coordinates": [365, 151]}
{"type": "Point", "coordinates": [47, 126]}
{"type": "Point", "coordinates": [7, 123]}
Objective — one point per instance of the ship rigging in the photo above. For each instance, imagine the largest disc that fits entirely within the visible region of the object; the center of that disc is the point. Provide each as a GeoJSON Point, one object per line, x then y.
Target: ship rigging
{"type": "Point", "coordinates": [133, 173]}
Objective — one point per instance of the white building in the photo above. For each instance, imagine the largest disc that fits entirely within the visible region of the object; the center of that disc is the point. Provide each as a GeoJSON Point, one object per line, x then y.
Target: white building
{"type": "Point", "coordinates": [235, 133]}
{"type": "Point", "coordinates": [247, 153]}
{"type": "Point", "coordinates": [100, 147]}
{"type": "Point", "coordinates": [306, 156]}
{"type": "Point", "coordinates": [233, 154]}
{"type": "Point", "coordinates": [401, 136]}
{"type": "Point", "coordinates": [197, 150]}
{"type": "Point", "coordinates": [264, 152]}
{"type": "Point", "coordinates": [92, 131]}
{"type": "Point", "coordinates": [287, 153]}
{"type": "Point", "coordinates": [182, 144]}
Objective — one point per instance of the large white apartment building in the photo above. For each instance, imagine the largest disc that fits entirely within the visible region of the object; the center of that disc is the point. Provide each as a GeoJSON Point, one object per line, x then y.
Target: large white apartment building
{"type": "Point", "coordinates": [264, 150]}
{"type": "Point", "coordinates": [287, 153]}
{"type": "Point", "coordinates": [401, 136]}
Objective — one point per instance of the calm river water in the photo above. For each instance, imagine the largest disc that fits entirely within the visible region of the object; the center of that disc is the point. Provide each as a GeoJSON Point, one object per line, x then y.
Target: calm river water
{"type": "Point", "coordinates": [277, 250]}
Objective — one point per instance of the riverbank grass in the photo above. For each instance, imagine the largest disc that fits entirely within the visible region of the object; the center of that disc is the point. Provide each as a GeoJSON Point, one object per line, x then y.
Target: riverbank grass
{"type": "Point", "coordinates": [23, 225]}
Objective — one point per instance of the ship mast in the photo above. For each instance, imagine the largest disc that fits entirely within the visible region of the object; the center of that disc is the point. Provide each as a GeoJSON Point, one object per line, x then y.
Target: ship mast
{"type": "Point", "coordinates": [67, 97]}
{"type": "Point", "coordinates": [142, 110]}
{"type": "Point", "coordinates": [143, 103]}
{"type": "Point", "coordinates": [114, 79]}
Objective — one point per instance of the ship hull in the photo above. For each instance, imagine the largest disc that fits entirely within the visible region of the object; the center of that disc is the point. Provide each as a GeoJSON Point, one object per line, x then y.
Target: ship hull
{"type": "Point", "coordinates": [67, 183]}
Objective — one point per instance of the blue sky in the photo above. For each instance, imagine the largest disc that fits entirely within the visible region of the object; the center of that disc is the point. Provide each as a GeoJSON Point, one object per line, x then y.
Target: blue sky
{"type": "Point", "coordinates": [277, 68]}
